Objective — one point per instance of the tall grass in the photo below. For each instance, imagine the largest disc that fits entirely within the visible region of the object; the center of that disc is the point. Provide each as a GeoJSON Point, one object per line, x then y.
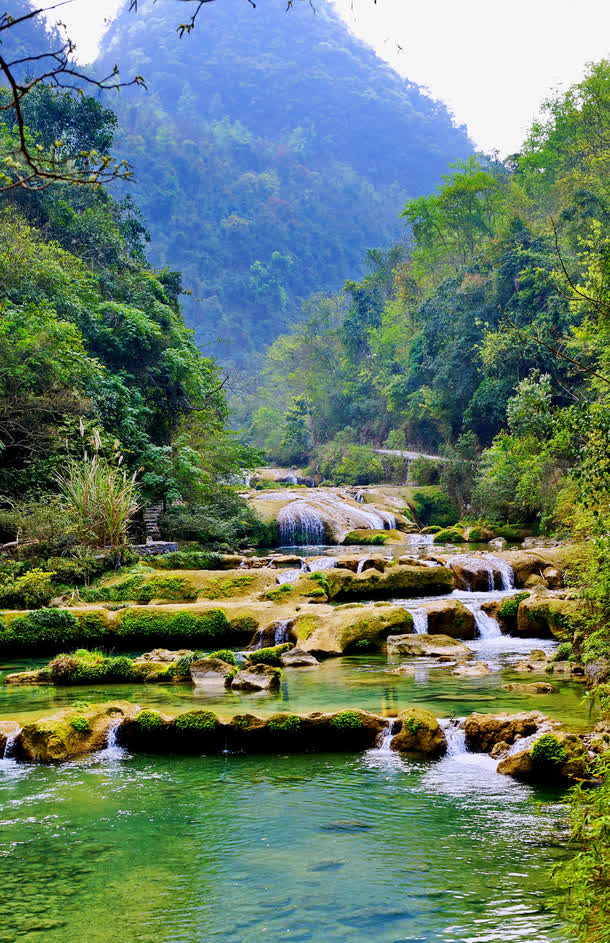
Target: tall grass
{"type": "Point", "coordinates": [102, 497]}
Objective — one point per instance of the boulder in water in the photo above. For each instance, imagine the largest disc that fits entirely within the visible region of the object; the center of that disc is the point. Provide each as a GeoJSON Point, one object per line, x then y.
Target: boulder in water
{"type": "Point", "coordinates": [548, 617]}
{"type": "Point", "coordinates": [554, 758]}
{"type": "Point", "coordinates": [483, 731]}
{"type": "Point", "coordinates": [425, 646]}
{"type": "Point", "coordinates": [418, 731]}
{"type": "Point", "coordinates": [357, 628]}
{"type": "Point", "coordinates": [475, 669]}
{"type": "Point", "coordinates": [397, 581]}
{"type": "Point", "coordinates": [450, 617]}
{"type": "Point", "coordinates": [211, 672]}
{"type": "Point", "coordinates": [294, 733]}
{"type": "Point", "coordinates": [257, 678]}
{"type": "Point", "coordinates": [164, 655]}
{"type": "Point", "coordinates": [70, 733]}
{"type": "Point", "coordinates": [298, 658]}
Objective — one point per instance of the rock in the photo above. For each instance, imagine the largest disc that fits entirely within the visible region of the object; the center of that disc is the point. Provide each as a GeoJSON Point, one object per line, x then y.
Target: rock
{"type": "Point", "coordinates": [356, 628]}
{"type": "Point", "coordinates": [397, 581]}
{"type": "Point", "coordinates": [535, 561]}
{"type": "Point", "coordinates": [257, 678]}
{"type": "Point", "coordinates": [537, 654]}
{"type": "Point", "coordinates": [483, 731]}
{"type": "Point", "coordinates": [450, 617]}
{"type": "Point", "coordinates": [418, 731]}
{"type": "Point", "coordinates": [425, 646]}
{"type": "Point", "coordinates": [163, 655]}
{"type": "Point", "coordinates": [474, 670]}
{"type": "Point", "coordinates": [478, 534]}
{"type": "Point", "coordinates": [498, 543]}
{"type": "Point", "coordinates": [275, 633]}
{"type": "Point", "coordinates": [27, 677]}
{"type": "Point", "coordinates": [499, 749]}
{"type": "Point", "coordinates": [538, 687]}
{"type": "Point", "coordinates": [553, 577]}
{"type": "Point", "coordinates": [295, 733]}
{"type": "Point", "coordinates": [548, 617]}
{"type": "Point", "coordinates": [597, 671]}
{"type": "Point", "coordinates": [534, 580]}
{"type": "Point", "coordinates": [476, 572]}
{"type": "Point", "coordinates": [525, 766]}
{"type": "Point", "coordinates": [298, 658]}
{"type": "Point", "coordinates": [363, 563]}
{"type": "Point", "coordinates": [211, 672]}
{"type": "Point", "coordinates": [70, 733]}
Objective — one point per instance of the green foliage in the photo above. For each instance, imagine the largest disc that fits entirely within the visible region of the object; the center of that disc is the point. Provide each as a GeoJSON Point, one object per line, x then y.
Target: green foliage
{"type": "Point", "coordinates": [80, 724]}
{"type": "Point", "coordinates": [198, 721]}
{"type": "Point", "coordinates": [433, 507]}
{"type": "Point", "coordinates": [348, 464]}
{"type": "Point", "coordinates": [290, 724]}
{"type": "Point", "coordinates": [347, 720]}
{"type": "Point", "coordinates": [186, 560]}
{"type": "Point", "coordinates": [424, 471]}
{"type": "Point", "coordinates": [547, 751]}
{"type": "Point", "coordinates": [42, 630]}
{"type": "Point", "coordinates": [90, 667]}
{"type": "Point", "coordinates": [413, 725]}
{"type": "Point", "coordinates": [225, 654]}
{"type": "Point", "coordinates": [149, 721]}
{"type": "Point", "coordinates": [509, 608]}
{"type": "Point", "coordinates": [450, 535]}
{"type": "Point", "coordinates": [33, 590]}
{"type": "Point", "coordinates": [269, 656]}
{"type": "Point", "coordinates": [142, 588]}
{"type": "Point", "coordinates": [148, 626]}
{"type": "Point", "coordinates": [563, 652]}
{"type": "Point", "coordinates": [102, 498]}
{"type": "Point", "coordinates": [221, 520]}
{"type": "Point", "coordinates": [355, 537]}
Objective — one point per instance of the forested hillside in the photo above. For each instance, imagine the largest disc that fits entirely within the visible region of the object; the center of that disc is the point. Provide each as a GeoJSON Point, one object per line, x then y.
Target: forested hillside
{"type": "Point", "coordinates": [271, 150]}
{"type": "Point", "coordinates": [488, 336]}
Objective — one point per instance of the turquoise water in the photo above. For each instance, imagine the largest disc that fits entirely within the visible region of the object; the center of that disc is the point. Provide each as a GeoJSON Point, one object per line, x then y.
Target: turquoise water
{"type": "Point", "coordinates": [355, 681]}
{"type": "Point", "coordinates": [319, 848]}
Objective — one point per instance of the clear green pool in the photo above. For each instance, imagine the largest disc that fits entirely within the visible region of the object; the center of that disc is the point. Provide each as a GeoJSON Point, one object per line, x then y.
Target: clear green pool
{"type": "Point", "coordinates": [319, 848]}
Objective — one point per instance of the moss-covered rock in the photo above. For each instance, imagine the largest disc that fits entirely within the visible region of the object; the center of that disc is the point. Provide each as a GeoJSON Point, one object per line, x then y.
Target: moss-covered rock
{"type": "Point", "coordinates": [450, 535]}
{"type": "Point", "coordinates": [397, 581]}
{"type": "Point", "coordinates": [374, 537]}
{"type": "Point", "coordinates": [257, 678]}
{"type": "Point", "coordinates": [555, 759]}
{"type": "Point", "coordinates": [548, 617]}
{"type": "Point", "coordinates": [338, 731]}
{"type": "Point", "coordinates": [537, 687]}
{"type": "Point", "coordinates": [64, 735]}
{"type": "Point", "coordinates": [211, 672]}
{"type": "Point", "coordinates": [351, 629]}
{"type": "Point", "coordinates": [418, 731]}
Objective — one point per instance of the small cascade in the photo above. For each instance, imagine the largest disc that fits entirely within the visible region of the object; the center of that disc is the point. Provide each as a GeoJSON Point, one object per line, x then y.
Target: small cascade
{"type": "Point", "coordinates": [300, 523]}
{"type": "Point", "coordinates": [321, 563]}
{"type": "Point", "coordinates": [9, 745]}
{"type": "Point", "coordinates": [456, 737]}
{"type": "Point", "coordinates": [487, 626]}
{"type": "Point", "coordinates": [288, 576]}
{"type": "Point", "coordinates": [420, 621]}
{"type": "Point", "coordinates": [281, 633]}
{"type": "Point", "coordinates": [360, 566]}
{"type": "Point", "coordinates": [113, 751]}
{"type": "Point", "coordinates": [385, 738]}
{"type": "Point", "coordinates": [360, 497]}
{"type": "Point", "coordinates": [506, 571]}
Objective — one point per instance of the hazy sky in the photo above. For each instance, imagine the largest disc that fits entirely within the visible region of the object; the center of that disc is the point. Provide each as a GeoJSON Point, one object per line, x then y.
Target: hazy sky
{"type": "Point", "coordinates": [492, 63]}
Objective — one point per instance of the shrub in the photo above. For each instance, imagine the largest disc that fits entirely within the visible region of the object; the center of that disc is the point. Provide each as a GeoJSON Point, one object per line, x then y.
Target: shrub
{"type": "Point", "coordinates": [563, 652]}
{"type": "Point", "coordinates": [32, 590]}
{"type": "Point", "coordinates": [424, 471]}
{"type": "Point", "coordinates": [142, 588]}
{"type": "Point", "coordinates": [269, 656]}
{"type": "Point", "coordinates": [289, 724]}
{"type": "Point", "coordinates": [80, 724]}
{"type": "Point", "coordinates": [432, 506]}
{"type": "Point", "coordinates": [149, 721]}
{"type": "Point", "coordinates": [413, 725]}
{"type": "Point", "coordinates": [347, 720]}
{"type": "Point", "coordinates": [276, 595]}
{"type": "Point", "coordinates": [148, 626]}
{"type": "Point", "coordinates": [509, 608]}
{"type": "Point", "coordinates": [225, 654]}
{"type": "Point", "coordinates": [186, 560]}
{"type": "Point", "coordinates": [222, 519]}
{"type": "Point", "coordinates": [198, 721]}
{"type": "Point", "coordinates": [450, 535]}
{"type": "Point", "coordinates": [93, 667]}
{"type": "Point", "coordinates": [102, 498]}
{"type": "Point", "coordinates": [42, 630]}
{"type": "Point", "coordinates": [548, 751]}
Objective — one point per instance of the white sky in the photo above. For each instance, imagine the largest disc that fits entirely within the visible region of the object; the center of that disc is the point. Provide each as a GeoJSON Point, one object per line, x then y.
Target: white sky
{"type": "Point", "coordinates": [492, 63]}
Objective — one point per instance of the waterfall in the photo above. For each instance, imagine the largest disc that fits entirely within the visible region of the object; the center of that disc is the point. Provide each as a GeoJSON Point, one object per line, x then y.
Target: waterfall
{"type": "Point", "coordinates": [456, 738]}
{"type": "Point", "coordinates": [9, 744]}
{"type": "Point", "coordinates": [113, 750]}
{"type": "Point", "coordinates": [385, 737]}
{"type": "Point", "coordinates": [420, 621]}
{"type": "Point", "coordinates": [321, 563]}
{"type": "Point", "coordinates": [281, 633]}
{"type": "Point", "coordinates": [360, 566]}
{"type": "Point", "coordinates": [487, 626]}
{"type": "Point", "coordinates": [288, 576]}
{"type": "Point", "coordinates": [507, 573]}
{"type": "Point", "coordinates": [360, 497]}
{"type": "Point", "coordinates": [299, 523]}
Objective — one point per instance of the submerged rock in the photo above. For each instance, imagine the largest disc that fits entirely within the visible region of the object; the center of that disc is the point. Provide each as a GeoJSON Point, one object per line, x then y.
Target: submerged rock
{"type": "Point", "coordinates": [483, 731]}
{"type": "Point", "coordinates": [418, 731]}
{"type": "Point", "coordinates": [70, 733]}
{"type": "Point", "coordinates": [473, 669]}
{"type": "Point", "coordinates": [257, 678]}
{"type": "Point", "coordinates": [421, 646]}
{"type": "Point", "coordinates": [538, 687]}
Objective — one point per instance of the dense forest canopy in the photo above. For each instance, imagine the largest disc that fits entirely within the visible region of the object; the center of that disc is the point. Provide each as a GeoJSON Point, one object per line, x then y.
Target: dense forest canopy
{"type": "Point", "coordinates": [271, 150]}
